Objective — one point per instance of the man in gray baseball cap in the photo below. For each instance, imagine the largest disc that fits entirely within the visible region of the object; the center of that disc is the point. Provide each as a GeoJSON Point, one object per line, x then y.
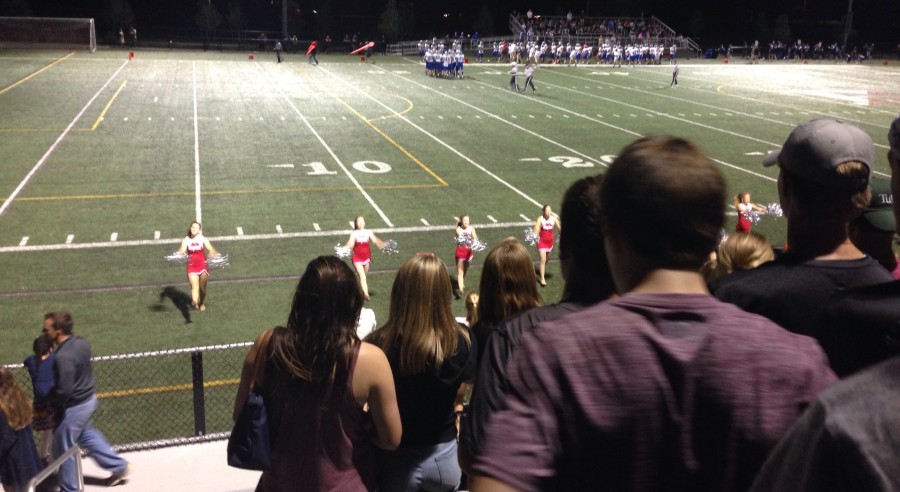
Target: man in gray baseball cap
{"type": "Point", "coordinates": [823, 184]}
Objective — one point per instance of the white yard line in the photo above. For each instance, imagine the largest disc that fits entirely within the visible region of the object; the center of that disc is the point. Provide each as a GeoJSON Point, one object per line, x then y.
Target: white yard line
{"type": "Point", "coordinates": [334, 156]}
{"type": "Point", "coordinates": [43, 159]}
{"type": "Point", "coordinates": [445, 144]}
{"type": "Point", "coordinates": [196, 147]}
{"type": "Point", "coordinates": [247, 237]}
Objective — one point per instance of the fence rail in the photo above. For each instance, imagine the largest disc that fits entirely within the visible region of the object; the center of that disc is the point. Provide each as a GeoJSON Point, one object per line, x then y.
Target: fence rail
{"type": "Point", "coordinates": [163, 398]}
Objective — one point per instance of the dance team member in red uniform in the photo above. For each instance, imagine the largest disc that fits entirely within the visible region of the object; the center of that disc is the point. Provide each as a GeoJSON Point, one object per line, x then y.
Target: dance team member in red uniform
{"type": "Point", "coordinates": [465, 234]}
{"type": "Point", "coordinates": [544, 229]}
{"type": "Point", "coordinates": [744, 208]}
{"type": "Point", "coordinates": [362, 254]}
{"type": "Point", "coordinates": [195, 246]}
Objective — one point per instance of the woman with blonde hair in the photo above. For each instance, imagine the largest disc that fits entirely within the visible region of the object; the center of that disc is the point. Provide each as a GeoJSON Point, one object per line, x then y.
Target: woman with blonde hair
{"type": "Point", "coordinates": [742, 251]}
{"type": "Point", "coordinates": [329, 397]}
{"type": "Point", "coordinates": [432, 358]}
{"type": "Point", "coordinates": [508, 286]}
{"type": "Point", "coordinates": [19, 460]}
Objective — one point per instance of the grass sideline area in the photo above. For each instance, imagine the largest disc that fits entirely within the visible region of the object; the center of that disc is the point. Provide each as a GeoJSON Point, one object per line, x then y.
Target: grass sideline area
{"type": "Point", "coordinates": [106, 161]}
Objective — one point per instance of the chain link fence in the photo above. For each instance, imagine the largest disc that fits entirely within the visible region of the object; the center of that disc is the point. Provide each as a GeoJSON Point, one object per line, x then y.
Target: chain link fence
{"type": "Point", "coordinates": [164, 398]}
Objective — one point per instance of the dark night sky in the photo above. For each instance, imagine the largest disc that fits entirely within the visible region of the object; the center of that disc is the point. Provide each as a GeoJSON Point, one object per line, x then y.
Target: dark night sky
{"type": "Point", "coordinates": [722, 20]}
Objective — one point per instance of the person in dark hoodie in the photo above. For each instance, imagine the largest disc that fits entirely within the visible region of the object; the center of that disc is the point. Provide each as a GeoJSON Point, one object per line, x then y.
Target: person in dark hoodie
{"type": "Point", "coordinates": [432, 358]}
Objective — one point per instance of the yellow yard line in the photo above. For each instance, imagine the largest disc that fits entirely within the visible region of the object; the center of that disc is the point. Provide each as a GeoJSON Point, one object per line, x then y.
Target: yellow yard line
{"type": "Point", "coordinates": [35, 73]}
{"type": "Point", "coordinates": [223, 192]}
{"type": "Point", "coordinates": [105, 109]}
{"type": "Point", "coordinates": [164, 389]}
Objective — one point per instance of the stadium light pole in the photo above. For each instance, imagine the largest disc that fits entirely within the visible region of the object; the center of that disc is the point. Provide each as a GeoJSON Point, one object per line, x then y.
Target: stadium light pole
{"type": "Point", "coordinates": [284, 33]}
{"type": "Point", "coordinates": [849, 24]}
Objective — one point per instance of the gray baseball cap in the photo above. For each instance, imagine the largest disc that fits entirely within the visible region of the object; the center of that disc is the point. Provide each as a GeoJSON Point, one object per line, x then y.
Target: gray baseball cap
{"type": "Point", "coordinates": [814, 150]}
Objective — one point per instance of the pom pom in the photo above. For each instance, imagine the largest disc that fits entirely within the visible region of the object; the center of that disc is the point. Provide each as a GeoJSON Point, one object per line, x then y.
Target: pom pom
{"type": "Point", "coordinates": [218, 261]}
{"type": "Point", "coordinates": [530, 237]}
{"type": "Point", "coordinates": [177, 258]}
{"type": "Point", "coordinates": [342, 251]}
{"type": "Point", "coordinates": [723, 236]}
{"type": "Point", "coordinates": [478, 245]}
{"type": "Point", "coordinates": [390, 247]}
{"type": "Point", "coordinates": [463, 240]}
{"type": "Point", "coordinates": [774, 209]}
{"type": "Point", "coordinates": [753, 217]}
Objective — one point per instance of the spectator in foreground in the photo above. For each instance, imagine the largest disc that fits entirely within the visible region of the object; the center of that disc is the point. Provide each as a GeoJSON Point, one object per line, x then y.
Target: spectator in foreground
{"type": "Point", "coordinates": [823, 184]}
{"type": "Point", "coordinates": [508, 286]}
{"type": "Point", "coordinates": [323, 388]}
{"type": "Point", "coordinates": [73, 399]}
{"type": "Point", "coordinates": [859, 327]}
{"type": "Point", "coordinates": [873, 231]}
{"type": "Point", "coordinates": [587, 281]}
{"type": "Point", "coordinates": [664, 388]}
{"type": "Point", "coordinates": [432, 359]}
{"type": "Point", "coordinates": [40, 369]}
{"type": "Point", "coordinates": [741, 251]}
{"type": "Point", "coordinates": [849, 439]}
{"type": "Point", "coordinates": [19, 461]}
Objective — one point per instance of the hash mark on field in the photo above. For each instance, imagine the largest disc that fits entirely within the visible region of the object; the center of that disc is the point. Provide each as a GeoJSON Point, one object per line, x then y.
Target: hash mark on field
{"type": "Point", "coordinates": [524, 216]}
{"type": "Point", "coordinates": [240, 231]}
{"type": "Point", "coordinates": [616, 116]}
{"type": "Point", "coordinates": [24, 241]}
{"type": "Point", "coordinates": [459, 117]}
{"type": "Point", "coordinates": [126, 119]}
{"type": "Point", "coordinates": [728, 114]}
{"type": "Point", "coordinates": [156, 98]}
{"type": "Point", "coordinates": [113, 237]}
{"type": "Point", "coordinates": [316, 227]}
{"type": "Point", "coordinates": [697, 114]}
{"type": "Point", "coordinates": [713, 114]}
{"type": "Point", "coordinates": [440, 116]}
{"type": "Point", "coordinates": [492, 219]}
{"type": "Point", "coordinates": [682, 115]}
{"type": "Point", "coordinates": [515, 117]}
{"type": "Point", "coordinates": [648, 115]}
{"type": "Point", "coordinates": [425, 222]}
{"type": "Point", "coordinates": [633, 115]}
{"type": "Point", "coordinates": [218, 119]}
{"type": "Point", "coordinates": [549, 116]}
{"type": "Point", "coordinates": [156, 235]}
{"type": "Point", "coordinates": [278, 228]}
{"type": "Point", "coordinates": [70, 238]}
{"type": "Point", "coordinates": [531, 116]}
{"type": "Point", "coordinates": [260, 118]}
{"type": "Point", "coordinates": [240, 119]}
{"type": "Point", "coordinates": [478, 116]}
{"type": "Point", "coordinates": [172, 118]}
{"type": "Point", "coordinates": [149, 118]}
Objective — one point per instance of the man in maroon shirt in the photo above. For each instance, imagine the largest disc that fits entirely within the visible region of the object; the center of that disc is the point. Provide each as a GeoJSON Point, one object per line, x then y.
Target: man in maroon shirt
{"type": "Point", "coordinates": [666, 387]}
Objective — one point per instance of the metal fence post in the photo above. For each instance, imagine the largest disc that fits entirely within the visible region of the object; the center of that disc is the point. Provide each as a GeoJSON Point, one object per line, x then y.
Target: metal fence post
{"type": "Point", "coordinates": [199, 397]}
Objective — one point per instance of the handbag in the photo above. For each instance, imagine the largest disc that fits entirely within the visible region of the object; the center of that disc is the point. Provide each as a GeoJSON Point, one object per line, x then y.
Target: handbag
{"type": "Point", "coordinates": [249, 446]}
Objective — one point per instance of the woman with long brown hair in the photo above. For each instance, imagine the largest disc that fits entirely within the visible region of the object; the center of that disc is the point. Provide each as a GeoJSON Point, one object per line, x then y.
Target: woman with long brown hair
{"type": "Point", "coordinates": [19, 461]}
{"type": "Point", "coordinates": [432, 357]}
{"type": "Point", "coordinates": [508, 286]}
{"type": "Point", "coordinates": [323, 388]}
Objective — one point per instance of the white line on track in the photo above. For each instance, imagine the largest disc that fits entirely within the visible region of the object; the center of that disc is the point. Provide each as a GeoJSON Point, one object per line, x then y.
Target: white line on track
{"type": "Point", "coordinates": [453, 149]}
{"type": "Point", "coordinates": [196, 147]}
{"type": "Point", "coordinates": [43, 159]}
{"type": "Point", "coordinates": [334, 156]}
{"type": "Point", "coordinates": [252, 237]}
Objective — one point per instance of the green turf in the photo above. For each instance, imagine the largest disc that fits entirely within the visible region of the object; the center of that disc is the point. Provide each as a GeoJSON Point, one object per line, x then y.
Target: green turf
{"type": "Point", "coordinates": [446, 147]}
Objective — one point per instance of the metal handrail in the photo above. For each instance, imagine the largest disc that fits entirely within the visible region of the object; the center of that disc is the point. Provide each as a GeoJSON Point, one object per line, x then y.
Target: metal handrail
{"type": "Point", "coordinates": [53, 467]}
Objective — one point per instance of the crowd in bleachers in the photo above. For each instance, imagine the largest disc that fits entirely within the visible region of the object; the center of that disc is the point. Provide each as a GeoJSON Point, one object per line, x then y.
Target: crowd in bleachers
{"type": "Point", "coordinates": [676, 359]}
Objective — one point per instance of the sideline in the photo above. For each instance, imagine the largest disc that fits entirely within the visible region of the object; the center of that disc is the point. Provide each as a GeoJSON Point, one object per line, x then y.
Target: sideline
{"type": "Point", "coordinates": [26, 78]}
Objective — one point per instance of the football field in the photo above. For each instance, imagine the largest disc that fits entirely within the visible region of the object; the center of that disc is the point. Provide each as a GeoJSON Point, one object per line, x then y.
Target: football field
{"type": "Point", "coordinates": [106, 161]}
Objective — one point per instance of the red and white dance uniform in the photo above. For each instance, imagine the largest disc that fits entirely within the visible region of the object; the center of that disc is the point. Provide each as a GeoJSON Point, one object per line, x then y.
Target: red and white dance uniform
{"type": "Point", "coordinates": [196, 255]}
{"type": "Point", "coordinates": [545, 239]}
{"type": "Point", "coordinates": [362, 254]}
{"type": "Point", "coordinates": [743, 223]}
{"type": "Point", "coordinates": [465, 252]}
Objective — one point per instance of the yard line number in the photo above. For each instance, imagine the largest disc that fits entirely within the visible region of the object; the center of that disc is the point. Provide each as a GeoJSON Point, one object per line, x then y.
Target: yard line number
{"type": "Point", "coordinates": [371, 167]}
